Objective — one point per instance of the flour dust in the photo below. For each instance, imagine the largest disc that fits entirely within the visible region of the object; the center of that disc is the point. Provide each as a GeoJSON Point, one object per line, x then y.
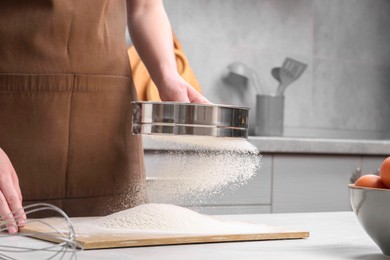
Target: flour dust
{"type": "Point", "coordinates": [197, 169]}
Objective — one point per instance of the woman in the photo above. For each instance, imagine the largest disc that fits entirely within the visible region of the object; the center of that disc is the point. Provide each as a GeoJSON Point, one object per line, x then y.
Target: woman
{"type": "Point", "coordinates": [65, 92]}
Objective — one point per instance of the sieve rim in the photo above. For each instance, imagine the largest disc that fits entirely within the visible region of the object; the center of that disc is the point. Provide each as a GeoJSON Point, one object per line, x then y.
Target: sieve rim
{"type": "Point", "coordinates": [190, 104]}
{"type": "Point", "coordinates": [177, 118]}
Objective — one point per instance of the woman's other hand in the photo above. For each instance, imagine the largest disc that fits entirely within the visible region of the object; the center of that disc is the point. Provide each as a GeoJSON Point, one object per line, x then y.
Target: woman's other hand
{"type": "Point", "coordinates": [11, 211]}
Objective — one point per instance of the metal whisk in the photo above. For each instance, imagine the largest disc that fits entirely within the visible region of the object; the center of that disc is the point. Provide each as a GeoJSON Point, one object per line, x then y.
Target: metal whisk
{"type": "Point", "coordinates": [66, 249]}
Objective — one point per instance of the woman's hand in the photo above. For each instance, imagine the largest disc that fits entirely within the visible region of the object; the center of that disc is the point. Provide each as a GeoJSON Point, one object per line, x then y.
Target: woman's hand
{"type": "Point", "coordinates": [10, 196]}
{"type": "Point", "coordinates": [175, 88]}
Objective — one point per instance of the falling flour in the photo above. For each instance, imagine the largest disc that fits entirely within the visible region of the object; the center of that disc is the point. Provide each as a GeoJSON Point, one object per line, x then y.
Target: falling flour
{"type": "Point", "coordinates": [193, 170]}
{"type": "Point", "coordinates": [197, 168]}
{"type": "Point", "coordinates": [168, 218]}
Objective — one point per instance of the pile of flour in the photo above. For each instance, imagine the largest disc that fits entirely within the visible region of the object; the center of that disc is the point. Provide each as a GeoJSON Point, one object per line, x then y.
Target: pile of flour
{"type": "Point", "coordinates": [169, 218]}
{"type": "Point", "coordinates": [197, 168]}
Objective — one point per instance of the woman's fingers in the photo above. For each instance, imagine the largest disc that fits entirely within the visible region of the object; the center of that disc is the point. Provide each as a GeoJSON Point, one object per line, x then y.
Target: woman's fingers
{"type": "Point", "coordinates": [11, 210]}
{"type": "Point", "coordinates": [195, 97]}
{"type": "Point", "coordinates": [175, 88]}
{"type": "Point", "coordinates": [6, 216]}
{"type": "Point", "coordinates": [12, 198]}
{"type": "Point", "coordinates": [21, 218]}
{"type": "Point", "coordinates": [16, 184]}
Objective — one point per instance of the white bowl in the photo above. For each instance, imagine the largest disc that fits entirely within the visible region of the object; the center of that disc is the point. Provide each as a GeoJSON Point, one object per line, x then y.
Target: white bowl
{"type": "Point", "coordinates": [372, 208]}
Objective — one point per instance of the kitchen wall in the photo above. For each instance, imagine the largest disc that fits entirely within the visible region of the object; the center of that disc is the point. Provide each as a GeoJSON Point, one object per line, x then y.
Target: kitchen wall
{"type": "Point", "coordinates": [345, 91]}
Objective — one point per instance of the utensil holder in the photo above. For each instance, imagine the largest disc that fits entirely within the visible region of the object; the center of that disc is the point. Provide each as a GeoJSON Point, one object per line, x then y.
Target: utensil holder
{"type": "Point", "coordinates": [269, 115]}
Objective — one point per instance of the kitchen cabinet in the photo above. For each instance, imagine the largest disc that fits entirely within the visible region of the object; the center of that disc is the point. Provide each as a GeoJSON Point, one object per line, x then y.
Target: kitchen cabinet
{"type": "Point", "coordinates": [298, 175]}
{"type": "Point", "coordinates": [303, 183]}
{"type": "Point", "coordinates": [371, 164]}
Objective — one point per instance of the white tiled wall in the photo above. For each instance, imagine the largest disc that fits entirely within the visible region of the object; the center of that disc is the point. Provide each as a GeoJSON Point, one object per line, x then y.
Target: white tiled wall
{"type": "Point", "coordinates": [345, 91]}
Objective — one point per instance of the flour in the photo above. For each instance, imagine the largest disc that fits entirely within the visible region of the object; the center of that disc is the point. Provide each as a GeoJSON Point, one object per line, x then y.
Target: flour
{"type": "Point", "coordinates": [168, 218]}
{"type": "Point", "coordinates": [192, 171]}
{"type": "Point", "coordinates": [158, 217]}
{"type": "Point", "coordinates": [196, 169]}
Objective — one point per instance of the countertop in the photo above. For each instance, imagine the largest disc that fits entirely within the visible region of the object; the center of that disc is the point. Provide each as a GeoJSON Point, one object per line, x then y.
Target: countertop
{"type": "Point", "coordinates": [318, 145]}
{"type": "Point", "coordinates": [333, 235]}
{"type": "Point", "coordinates": [299, 145]}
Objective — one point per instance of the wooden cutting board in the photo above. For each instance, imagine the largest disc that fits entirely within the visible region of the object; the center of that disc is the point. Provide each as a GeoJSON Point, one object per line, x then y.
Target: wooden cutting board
{"type": "Point", "coordinates": [111, 239]}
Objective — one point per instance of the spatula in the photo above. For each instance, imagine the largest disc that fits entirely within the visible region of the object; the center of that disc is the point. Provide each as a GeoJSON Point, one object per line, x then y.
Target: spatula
{"type": "Point", "coordinates": [290, 71]}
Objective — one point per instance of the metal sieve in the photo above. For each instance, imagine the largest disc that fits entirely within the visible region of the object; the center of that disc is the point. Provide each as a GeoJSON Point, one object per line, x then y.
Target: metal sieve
{"type": "Point", "coordinates": [174, 118]}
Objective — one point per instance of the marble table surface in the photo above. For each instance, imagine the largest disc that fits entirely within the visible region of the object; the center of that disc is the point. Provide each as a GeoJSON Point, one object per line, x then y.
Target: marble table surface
{"type": "Point", "coordinates": [333, 235]}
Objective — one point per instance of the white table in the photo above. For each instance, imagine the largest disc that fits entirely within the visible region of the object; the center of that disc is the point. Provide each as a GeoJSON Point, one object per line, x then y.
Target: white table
{"type": "Point", "coordinates": [333, 235]}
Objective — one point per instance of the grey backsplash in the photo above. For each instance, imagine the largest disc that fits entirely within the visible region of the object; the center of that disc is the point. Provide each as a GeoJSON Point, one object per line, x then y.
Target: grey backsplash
{"type": "Point", "coordinates": [345, 91]}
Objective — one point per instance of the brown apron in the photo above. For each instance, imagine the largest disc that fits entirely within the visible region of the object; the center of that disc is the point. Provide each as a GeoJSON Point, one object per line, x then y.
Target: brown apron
{"type": "Point", "coordinates": [65, 113]}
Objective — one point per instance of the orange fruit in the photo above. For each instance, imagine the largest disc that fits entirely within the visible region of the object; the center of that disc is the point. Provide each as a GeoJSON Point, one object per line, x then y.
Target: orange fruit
{"type": "Point", "coordinates": [385, 171]}
{"type": "Point", "coordinates": [370, 181]}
